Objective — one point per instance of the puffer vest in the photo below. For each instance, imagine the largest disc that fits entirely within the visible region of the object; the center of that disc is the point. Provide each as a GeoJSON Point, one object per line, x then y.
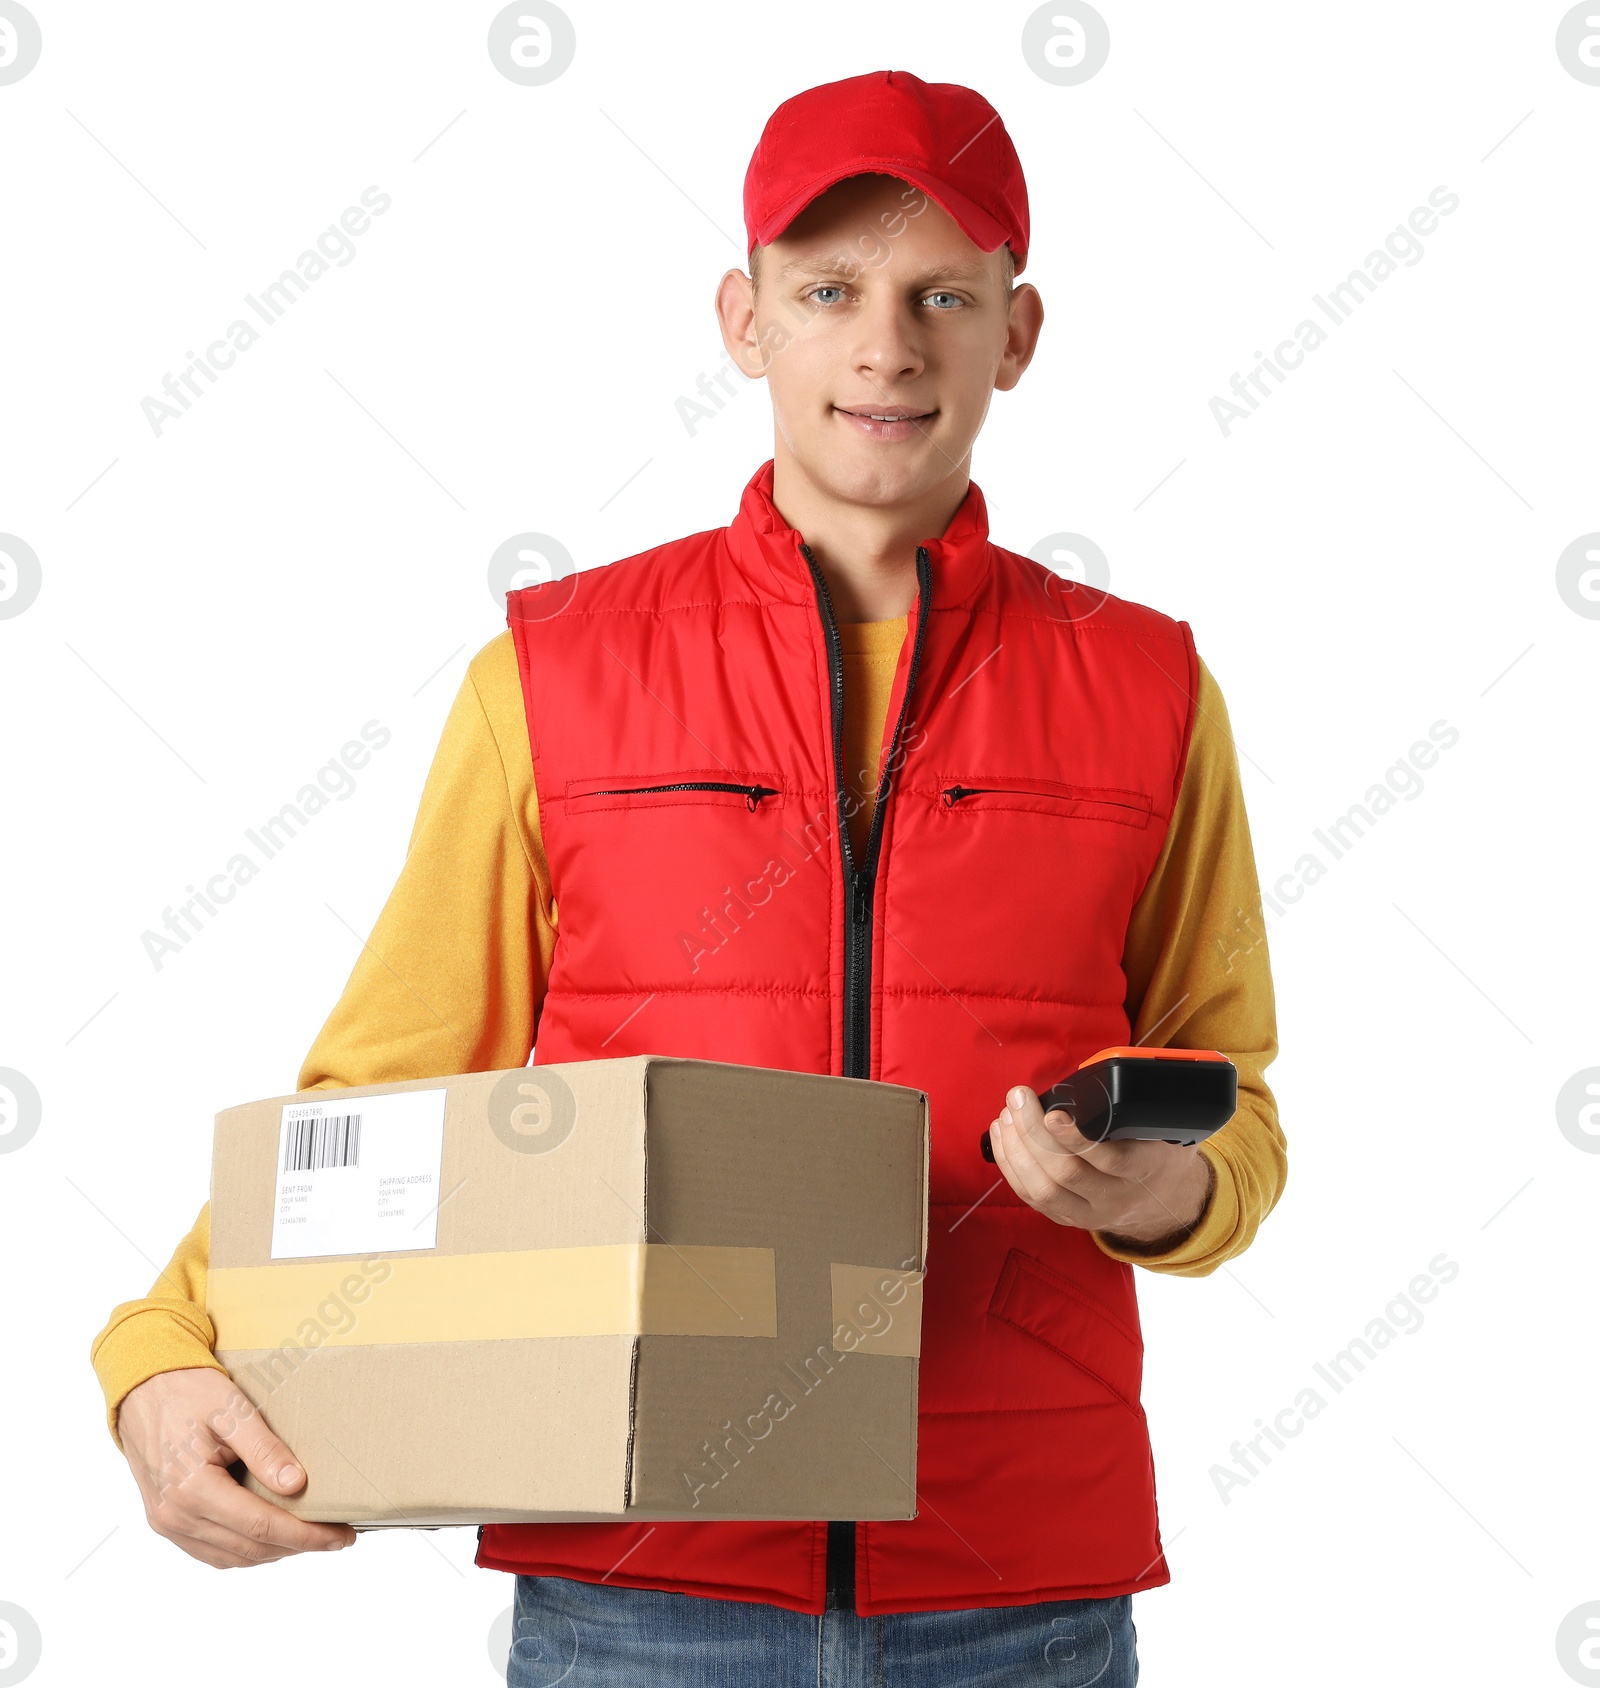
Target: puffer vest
{"type": "Point", "coordinates": [685, 713]}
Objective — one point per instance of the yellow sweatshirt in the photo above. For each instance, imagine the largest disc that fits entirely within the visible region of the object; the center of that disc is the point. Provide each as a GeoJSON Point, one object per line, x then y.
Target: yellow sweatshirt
{"type": "Point", "coordinates": [453, 974]}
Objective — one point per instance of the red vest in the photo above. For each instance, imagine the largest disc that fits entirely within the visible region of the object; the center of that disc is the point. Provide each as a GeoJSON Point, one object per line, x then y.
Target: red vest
{"type": "Point", "coordinates": [685, 716]}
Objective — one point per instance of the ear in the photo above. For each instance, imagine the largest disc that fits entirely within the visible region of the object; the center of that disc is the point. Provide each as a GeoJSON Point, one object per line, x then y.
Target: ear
{"type": "Point", "coordinates": [736, 317]}
{"type": "Point", "coordinates": [1024, 322]}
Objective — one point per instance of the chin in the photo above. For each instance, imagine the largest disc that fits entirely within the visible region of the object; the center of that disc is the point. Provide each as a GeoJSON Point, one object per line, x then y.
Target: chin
{"type": "Point", "coordinates": [869, 472]}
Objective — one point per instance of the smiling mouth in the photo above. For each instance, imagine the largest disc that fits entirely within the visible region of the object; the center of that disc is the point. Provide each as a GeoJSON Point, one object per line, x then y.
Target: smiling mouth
{"type": "Point", "coordinates": [892, 424]}
{"type": "Point", "coordinates": [886, 413]}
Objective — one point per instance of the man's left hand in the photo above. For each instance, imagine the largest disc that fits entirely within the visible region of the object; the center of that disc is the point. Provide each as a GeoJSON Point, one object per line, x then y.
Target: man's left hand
{"type": "Point", "coordinates": [1144, 1197]}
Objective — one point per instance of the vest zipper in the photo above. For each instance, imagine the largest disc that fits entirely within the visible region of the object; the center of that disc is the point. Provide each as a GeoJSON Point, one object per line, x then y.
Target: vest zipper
{"type": "Point", "coordinates": [752, 793]}
{"type": "Point", "coordinates": [859, 885]}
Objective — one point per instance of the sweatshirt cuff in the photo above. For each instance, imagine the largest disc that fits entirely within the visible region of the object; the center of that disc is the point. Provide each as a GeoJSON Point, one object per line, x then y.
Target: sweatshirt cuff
{"type": "Point", "coordinates": [144, 1338]}
{"type": "Point", "coordinates": [1207, 1245]}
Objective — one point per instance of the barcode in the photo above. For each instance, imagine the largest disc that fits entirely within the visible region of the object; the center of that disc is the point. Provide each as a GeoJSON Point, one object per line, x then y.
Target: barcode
{"type": "Point", "coordinates": [331, 1140]}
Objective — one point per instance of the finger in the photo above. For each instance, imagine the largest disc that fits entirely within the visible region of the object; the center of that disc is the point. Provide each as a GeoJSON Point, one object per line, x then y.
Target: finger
{"type": "Point", "coordinates": [223, 1549]}
{"type": "Point", "coordinates": [181, 1516]}
{"type": "Point", "coordinates": [226, 1549]}
{"type": "Point", "coordinates": [214, 1498]}
{"type": "Point", "coordinates": [1056, 1147]}
{"type": "Point", "coordinates": [1032, 1181]}
{"type": "Point", "coordinates": [1051, 1135]}
{"type": "Point", "coordinates": [1062, 1134]}
{"type": "Point", "coordinates": [244, 1432]}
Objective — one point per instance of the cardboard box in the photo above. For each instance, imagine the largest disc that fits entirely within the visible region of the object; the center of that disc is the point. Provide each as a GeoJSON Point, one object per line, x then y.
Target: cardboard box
{"type": "Point", "coordinates": [646, 1288]}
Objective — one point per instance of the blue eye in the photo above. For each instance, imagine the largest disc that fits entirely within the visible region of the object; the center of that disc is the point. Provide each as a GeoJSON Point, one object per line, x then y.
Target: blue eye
{"type": "Point", "coordinates": [815, 295]}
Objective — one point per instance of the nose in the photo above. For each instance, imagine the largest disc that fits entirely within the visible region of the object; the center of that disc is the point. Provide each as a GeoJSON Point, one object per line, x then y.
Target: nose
{"type": "Point", "coordinates": [887, 349]}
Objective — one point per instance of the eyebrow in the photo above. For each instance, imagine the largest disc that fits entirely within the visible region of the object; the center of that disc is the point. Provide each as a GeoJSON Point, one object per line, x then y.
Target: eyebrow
{"type": "Point", "coordinates": [841, 263]}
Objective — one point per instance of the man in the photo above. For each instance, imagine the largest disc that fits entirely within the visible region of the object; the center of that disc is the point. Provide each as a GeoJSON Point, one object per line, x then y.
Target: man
{"type": "Point", "coordinates": [843, 787]}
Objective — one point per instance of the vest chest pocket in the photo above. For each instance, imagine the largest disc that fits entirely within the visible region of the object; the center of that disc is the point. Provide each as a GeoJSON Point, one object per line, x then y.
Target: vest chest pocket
{"type": "Point", "coordinates": [736, 788]}
{"type": "Point", "coordinates": [656, 869]}
{"type": "Point", "coordinates": [978, 794]}
{"type": "Point", "coordinates": [1055, 864]}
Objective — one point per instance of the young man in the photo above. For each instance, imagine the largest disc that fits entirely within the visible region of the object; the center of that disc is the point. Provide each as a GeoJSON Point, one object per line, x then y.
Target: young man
{"type": "Point", "coordinates": [841, 787]}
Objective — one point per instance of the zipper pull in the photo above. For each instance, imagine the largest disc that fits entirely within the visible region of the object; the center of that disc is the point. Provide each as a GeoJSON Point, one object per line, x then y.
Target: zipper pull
{"type": "Point", "coordinates": [860, 911]}
{"type": "Point", "coordinates": [953, 794]}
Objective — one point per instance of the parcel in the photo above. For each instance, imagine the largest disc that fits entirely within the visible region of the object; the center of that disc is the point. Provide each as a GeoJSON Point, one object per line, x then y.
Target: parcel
{"type": "Point", "coordinates": [649, 1288]}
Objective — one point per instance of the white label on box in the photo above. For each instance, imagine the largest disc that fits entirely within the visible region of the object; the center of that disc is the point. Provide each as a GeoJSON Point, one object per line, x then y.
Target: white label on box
{"type": "Point", "coordinates": [359, 1175]}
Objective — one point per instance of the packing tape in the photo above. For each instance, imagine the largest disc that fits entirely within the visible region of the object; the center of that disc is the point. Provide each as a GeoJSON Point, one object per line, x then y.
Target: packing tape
{"type": "Point", "coordinates": [610, 1289]}
{"type": "Point", "coordinates": [876, 1310]}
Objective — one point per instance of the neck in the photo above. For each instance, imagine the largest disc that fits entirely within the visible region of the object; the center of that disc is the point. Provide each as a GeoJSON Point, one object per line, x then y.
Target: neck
{"type": "Point", "coordinates": [867, 552]}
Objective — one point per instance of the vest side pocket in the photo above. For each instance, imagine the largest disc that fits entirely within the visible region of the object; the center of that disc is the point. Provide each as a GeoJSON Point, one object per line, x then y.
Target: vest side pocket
{"type": "Point", "coordinates": [1039, 1302]}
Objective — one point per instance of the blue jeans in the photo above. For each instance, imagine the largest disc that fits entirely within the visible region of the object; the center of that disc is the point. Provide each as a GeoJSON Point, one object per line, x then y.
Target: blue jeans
{"type": "Point", "coordinates": [600, 1635]}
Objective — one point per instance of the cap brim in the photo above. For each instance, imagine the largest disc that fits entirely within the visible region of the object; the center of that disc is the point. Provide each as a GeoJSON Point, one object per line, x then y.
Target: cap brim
{"type": "Point", "coordinates": [979, 227]}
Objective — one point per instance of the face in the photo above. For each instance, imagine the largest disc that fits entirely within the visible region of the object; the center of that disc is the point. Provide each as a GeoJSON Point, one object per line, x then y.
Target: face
{"type": "Point", "coordinates": [872, 304]}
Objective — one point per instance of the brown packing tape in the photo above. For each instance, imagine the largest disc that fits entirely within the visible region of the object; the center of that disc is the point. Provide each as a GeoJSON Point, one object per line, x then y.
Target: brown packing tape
{"type": "Point", "coordinates": [612, 1289]}
{"type": "Point", "coordinates": [876, 1310]}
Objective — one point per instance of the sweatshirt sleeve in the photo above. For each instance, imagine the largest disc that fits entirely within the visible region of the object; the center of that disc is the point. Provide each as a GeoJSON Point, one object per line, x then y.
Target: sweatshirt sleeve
{"type": "Point", "coordinates": [1198, 978]}
{"type": "Point", "coordinates": [167, 1331]}
{"type": "Point", "coordinates": [452, 977]}
{"type": "Point", "coordinates": [450, 980]}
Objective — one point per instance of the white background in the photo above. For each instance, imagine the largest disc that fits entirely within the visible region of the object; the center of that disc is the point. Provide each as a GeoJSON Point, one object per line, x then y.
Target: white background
{"type": "Point", "coordinates": [306, 550]}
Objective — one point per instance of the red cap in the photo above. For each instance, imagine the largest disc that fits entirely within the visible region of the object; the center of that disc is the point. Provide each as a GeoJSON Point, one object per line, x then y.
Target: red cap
{"type": "Point", "coordinates": [946, 139]}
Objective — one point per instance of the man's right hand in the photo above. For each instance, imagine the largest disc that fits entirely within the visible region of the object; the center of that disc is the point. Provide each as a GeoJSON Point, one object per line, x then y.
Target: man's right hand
{"type": "Point", "coordinates": [181, 1430]}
